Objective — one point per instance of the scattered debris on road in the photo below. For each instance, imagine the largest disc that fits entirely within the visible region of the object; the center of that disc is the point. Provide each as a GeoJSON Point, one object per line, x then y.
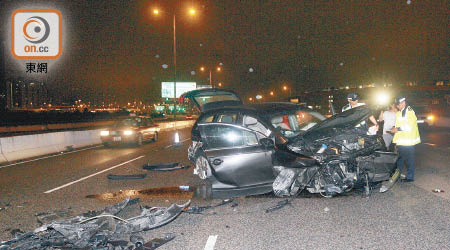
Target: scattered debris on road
{"type": "Point", "coordinates": [279, 205]}
{"type": "Point", "coordinates": [126, 177]}
{"type": "Point", "coordinates": [200, 210]}
{"type": "Point", "coordinates": [157, 242]}
{"type": "Point", "coordinates": [5, 206]}
{"type": "Point", "coordinates": [390, 183]}
{"type": "Point", "coordinates": [437, 190]}
{"type": "Point", "coordinates": [104, 230]}
{"type": "Point", "coordinates": [165, 166]}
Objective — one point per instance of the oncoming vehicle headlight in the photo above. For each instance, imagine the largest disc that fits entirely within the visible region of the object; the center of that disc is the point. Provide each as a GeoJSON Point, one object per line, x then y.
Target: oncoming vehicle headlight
{"type": "Point", "coordinates": [430, 117]}
{"type": "Point", "coordinates": [382, 98]}
{"type": "Point", "coordinates": [104, 133]}
{"type": "Point", "coordinates": [128, 132]}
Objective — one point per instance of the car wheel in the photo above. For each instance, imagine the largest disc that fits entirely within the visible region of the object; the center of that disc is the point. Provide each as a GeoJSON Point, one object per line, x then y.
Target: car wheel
{"type": "Point", "coordinates": [202, 167]}
{"type": "Point", "coordinates": [155, 137]}
{"type": "Point", "coordinates": [139, 140]}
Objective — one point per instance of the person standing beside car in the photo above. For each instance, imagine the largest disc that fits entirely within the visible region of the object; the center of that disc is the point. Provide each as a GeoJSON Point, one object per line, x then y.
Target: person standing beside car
{"type": "Point", "coordinates": [406, 136]}
{"type": "Point", "coordinates": [388, 117]}
{"type": "Point", "coordinates": [353, 102]}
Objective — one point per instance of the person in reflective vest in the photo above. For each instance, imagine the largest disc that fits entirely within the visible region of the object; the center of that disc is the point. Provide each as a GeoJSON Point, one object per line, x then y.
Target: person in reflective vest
{"type": "Point", "coordinates": [353, 102]}
{"type": "Point", "coordinates": [406, 136]}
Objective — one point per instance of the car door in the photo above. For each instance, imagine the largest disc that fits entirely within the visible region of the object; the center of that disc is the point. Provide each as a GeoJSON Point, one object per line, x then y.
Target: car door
{"type": "Point", "coordinates": [235, 155]}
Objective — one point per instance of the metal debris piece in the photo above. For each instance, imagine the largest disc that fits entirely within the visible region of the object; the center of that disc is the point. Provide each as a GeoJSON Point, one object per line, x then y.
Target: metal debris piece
{"type": "Point", "coordinates": [199, 210]}
{"type": "Point", "coordinates": [102, 231]}
{"type": "Point", "coordinates": [165, 166]}
{"type": "Point", "coordinates": [279, 205]}
{"type": "Point", "coordinates": [44, 218]}
{"type": "Point", "coordinates": [157, 242]}
{"type": "Point", "coordinates": [390, 183]}
{"type": "Point", "coordinates": [126, 177]}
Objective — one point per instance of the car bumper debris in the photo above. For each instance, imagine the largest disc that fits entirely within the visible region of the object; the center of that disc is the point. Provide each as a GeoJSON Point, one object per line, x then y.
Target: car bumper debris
{"type": "Point", "coordinates": [104, 230]}
{"type": "Point", "coordinates": [165, 166]}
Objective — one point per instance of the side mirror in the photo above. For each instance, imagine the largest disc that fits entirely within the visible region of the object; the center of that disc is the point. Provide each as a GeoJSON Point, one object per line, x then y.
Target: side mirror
{"type": "Point", "coordinates": [267, 143]}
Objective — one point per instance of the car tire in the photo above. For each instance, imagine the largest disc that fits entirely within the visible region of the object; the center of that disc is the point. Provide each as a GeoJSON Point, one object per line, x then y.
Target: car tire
{"type": "Point", "coordinates": [155, 137]}
{"type": "Point", "coordinates": [139, 140]}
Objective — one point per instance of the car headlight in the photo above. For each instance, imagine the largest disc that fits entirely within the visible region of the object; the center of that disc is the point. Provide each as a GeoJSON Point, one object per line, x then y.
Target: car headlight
{"type": "Point", "coordinates": [430, 117]}
{"type": "Point", "coordinates": [104, 133]}
{"type": "Point", "coordinates": [128, 132]}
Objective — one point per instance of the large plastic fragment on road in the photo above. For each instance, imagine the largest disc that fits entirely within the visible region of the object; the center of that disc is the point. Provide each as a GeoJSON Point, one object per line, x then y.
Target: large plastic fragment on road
{"type": "Point", "coordinates": [199, 210]}
{"type": "Point", "coordinates": [390, 183]}
{"type": "Point", "coordinates": [277, 206]}
{"type": "Point", "coordinates": [157, 242]}
{"type": "Point", "coordinates": [101, 230]}
{"type": "Point", "coordinates": [165, 166]}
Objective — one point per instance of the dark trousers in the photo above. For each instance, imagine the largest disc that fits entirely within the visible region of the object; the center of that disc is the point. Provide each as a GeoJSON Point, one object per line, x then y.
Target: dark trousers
{"type": "Point", "coordinates": [406, 155]}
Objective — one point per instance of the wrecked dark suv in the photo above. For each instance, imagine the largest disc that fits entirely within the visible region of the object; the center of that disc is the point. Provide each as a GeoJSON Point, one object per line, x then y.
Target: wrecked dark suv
{"type": "Point", "coordinates": [282, 147]}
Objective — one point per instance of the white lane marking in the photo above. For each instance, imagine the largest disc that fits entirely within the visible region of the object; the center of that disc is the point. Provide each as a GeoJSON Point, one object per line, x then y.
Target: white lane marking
{"type": "Point", "coordinates": [89, 176]}
{"type": "Point", "coordinates": [430, 144]}
{"type": "Point", "coordinates": [50, 156]}
{"type": "Point", "coordinates": [171, 145]}
{"type": "Point", "coordinates": [211, 242]}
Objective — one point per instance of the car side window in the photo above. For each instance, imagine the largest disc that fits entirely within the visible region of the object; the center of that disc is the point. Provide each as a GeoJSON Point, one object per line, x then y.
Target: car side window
{"type": "Point", "coordinates": [229, 118]}
{"type": "Point", "coordinates": [223, 136]}
{"type": "Point", "coordinates": [207, 119]}
{"type": "Point", "coordinates": [252, 123]}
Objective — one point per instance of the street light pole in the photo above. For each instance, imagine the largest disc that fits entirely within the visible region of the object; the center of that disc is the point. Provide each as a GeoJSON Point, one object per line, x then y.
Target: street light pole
{"type": "Point", "coordinates": [210, 78]}
{"type": "Point", "coordinates": [175, 69]}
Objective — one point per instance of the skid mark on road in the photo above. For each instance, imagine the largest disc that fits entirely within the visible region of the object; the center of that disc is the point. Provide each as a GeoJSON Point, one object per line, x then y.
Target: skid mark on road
{"type": "Point", "coordinates": [50, 156]}
{"type": "Point", "coordinates": [89, 176]}
{"type": "Point", "coordinates": [211, 242]}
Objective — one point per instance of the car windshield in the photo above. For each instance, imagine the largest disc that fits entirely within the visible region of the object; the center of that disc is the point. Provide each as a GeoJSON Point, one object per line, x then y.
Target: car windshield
{"type": "Point", "coordinates": [293, 124]}
{"type": "Point", "coordinates": [131, 122]}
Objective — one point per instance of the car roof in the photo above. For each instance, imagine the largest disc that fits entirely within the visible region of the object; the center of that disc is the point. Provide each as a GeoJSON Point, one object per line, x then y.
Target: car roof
{"type": "Point", "coordinates": [261, 109]}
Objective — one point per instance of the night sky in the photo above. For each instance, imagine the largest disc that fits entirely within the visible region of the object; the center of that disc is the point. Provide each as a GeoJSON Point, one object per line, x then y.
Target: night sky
{"type": "Point", "coordinates": [116, 49]}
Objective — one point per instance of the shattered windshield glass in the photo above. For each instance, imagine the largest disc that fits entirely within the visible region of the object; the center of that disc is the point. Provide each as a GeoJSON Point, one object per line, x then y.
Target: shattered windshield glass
{"type": "Point", "coordinates": [294, 124]}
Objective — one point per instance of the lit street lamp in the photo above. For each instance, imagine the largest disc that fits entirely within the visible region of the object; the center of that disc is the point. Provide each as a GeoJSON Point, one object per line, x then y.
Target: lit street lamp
{"type": "Point", "coordinates": [218, 69]}
{"type": "Point", "coordinates": [290, 90]}
{"type": "Point", "coordinates": [191, 12]}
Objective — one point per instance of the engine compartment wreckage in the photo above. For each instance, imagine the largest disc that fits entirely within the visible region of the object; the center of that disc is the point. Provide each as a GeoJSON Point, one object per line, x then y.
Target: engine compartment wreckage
{"type": "Point", "coordinates": [100, 230]}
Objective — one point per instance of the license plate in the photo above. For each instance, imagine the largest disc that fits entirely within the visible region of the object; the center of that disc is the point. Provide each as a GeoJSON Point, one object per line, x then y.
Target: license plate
{"type": "Point", "coordinates": [117, 138]}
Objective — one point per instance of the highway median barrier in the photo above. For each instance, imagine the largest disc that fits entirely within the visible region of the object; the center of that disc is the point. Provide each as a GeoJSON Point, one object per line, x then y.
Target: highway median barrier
{"type": "Point", "coordinates": [14, 148]}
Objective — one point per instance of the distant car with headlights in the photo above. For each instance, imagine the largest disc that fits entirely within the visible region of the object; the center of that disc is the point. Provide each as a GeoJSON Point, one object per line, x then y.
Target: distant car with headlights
{"type": "Point", "coordinates": [132, 130]}
{"type": "Point", "coordinates": [425, 115]}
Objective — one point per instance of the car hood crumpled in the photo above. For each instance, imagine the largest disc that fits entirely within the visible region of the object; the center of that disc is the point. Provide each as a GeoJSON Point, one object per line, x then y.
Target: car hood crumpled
{"type": "Point", "coordinates": [347, 119]}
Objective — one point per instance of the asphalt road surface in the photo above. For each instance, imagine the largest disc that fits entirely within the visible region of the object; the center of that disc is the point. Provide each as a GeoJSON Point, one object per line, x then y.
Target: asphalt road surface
{"type": "Point", "coordinates": [410, 216]}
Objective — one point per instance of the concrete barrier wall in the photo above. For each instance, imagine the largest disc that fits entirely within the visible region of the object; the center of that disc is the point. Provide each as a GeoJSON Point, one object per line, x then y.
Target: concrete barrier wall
{"type": "Point", "coordinates": [26, 146]}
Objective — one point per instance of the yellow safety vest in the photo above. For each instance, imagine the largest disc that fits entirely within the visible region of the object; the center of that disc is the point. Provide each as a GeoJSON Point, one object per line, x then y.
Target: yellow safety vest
{"type": "Point", "coordinates": [406, 123]}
